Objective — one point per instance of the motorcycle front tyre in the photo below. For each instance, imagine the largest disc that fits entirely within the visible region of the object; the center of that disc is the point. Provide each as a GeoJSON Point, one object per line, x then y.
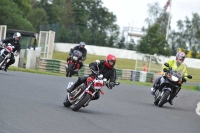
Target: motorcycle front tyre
{"type": "Point", "coordinates": [81, 103]}
{"type": "Point", "coordinates": [69, 70]}
{"type": "Point", "coordinates": [163, 99]}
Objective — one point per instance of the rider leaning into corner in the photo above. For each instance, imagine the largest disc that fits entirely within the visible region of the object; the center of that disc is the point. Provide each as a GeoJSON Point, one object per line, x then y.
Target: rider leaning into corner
{"type": "Point", "coordinates": [106, 68]}
{"type": "Point", "coordinates": [82, 49]}
{"type": "Point", "coordinates": [14, 41]}
{"type": "Point", "coordinates": [175, 65]}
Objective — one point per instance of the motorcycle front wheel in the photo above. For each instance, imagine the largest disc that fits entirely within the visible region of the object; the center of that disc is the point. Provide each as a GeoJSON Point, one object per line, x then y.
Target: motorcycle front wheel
{"type": "Point", "coordinates": [82, 102]}
{"type": "Point", "coordinates": [157, 97]}
{"type": "Point", "coordinates": [163, 99]}
{"type": "Point", "coordinates": [69, 70]}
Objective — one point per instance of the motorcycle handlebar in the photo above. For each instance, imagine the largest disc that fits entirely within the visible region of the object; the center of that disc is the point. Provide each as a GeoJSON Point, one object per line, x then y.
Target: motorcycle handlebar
{"type": "Point", "coordinates": [95, 72]}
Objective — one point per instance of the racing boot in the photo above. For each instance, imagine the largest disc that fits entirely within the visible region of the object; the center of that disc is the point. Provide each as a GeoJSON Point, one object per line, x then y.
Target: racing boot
{"type": "Point", "coordinates": [153, 91]}
{"type": "Point", "coordinates": [6, 68]}
{"type": "Point", "coordinates": [171, 101]}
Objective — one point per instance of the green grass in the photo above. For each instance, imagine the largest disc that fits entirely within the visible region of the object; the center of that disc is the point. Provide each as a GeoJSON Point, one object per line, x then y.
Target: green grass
{"type": "Point", "coordinates": [11, 68]}
{"type": "Point", "coordinates": [125, 64]}
{"type": "Point", "coordinates": [190, 87]}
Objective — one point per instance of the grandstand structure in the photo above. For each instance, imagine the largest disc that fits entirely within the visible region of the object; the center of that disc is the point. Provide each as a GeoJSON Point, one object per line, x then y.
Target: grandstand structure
{"type": "Point", "coordinates": [129, 31]}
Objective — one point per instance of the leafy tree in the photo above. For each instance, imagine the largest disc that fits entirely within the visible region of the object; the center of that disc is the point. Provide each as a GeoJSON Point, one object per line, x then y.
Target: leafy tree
{"type": "Point", "coordinates": [121, 43]}
{"type": "Point", "coordinates": [194, 52]}
{"type": "Point", "coordinates": [188, 34]}
{"type": "Point", "coordinates": [11, 16]}
{"type": "Point", "coordinates": [156, 15]}
{"type": "Point", "coordinates": [37, 17]}
{"type": "Point", "coordinates": [23, 5]}
{"type": "Point", "coordinates": [154, 42]}
{"type": "Point", "coordinates": [131, 45]}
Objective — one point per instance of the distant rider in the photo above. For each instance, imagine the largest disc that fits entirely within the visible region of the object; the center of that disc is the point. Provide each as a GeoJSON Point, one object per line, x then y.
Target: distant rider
{"type": "Point", "coordinates": [14, 41]}
{"type": "Point", "coordinates": [82, 49]}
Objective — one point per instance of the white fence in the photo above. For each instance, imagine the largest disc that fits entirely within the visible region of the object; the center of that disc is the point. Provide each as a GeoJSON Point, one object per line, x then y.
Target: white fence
{"type": "Point", "coordinates": [121, 53]}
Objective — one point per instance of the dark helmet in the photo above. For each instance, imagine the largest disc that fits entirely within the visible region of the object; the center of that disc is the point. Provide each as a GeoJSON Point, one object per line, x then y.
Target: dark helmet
{"type": "Point", "coordinates": [110, 58]}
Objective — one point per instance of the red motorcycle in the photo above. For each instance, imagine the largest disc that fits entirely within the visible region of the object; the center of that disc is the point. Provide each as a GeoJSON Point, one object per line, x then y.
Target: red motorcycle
{"type": "Point", "coordinates": [73, 64]}
{"type": "Point", "coordinates": [84, 93]}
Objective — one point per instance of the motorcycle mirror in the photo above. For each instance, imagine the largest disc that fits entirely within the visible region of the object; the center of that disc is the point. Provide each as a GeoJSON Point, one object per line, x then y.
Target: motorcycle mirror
{"type": "Point", "coordinates": [189, 76]}
{"type": "Point", "coordinates": [98, 61]}
{"type": "Point", "coordinates": [166, 64]}
{"type": "Point", "coordinates": [165, 69]}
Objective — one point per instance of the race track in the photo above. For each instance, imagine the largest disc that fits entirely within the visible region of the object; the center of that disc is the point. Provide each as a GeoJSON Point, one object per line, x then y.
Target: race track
{"type": "Point", "coordinates": [32, 103]}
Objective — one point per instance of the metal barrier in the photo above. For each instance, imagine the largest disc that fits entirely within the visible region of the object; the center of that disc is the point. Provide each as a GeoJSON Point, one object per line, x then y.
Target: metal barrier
{"type": "Point", "coordinates": [58, 66]}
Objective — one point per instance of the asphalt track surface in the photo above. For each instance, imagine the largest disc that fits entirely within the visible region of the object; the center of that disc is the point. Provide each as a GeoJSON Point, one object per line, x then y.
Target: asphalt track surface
{"type": "Point", "coordinates": [32, 103]}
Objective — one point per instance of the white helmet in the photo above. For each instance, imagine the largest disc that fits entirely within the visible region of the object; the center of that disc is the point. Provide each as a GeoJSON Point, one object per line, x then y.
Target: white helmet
{"type": "Point", "coordinates": [17, 34]}
{"type": "Point", "coordinates": [81, 45]}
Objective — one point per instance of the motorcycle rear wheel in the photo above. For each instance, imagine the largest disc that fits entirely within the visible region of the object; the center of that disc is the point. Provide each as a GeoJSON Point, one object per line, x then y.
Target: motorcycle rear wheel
{"type": "Point", "coordinates": [163, 99]}
{"type": "Point", "coordinates": [82, 102]}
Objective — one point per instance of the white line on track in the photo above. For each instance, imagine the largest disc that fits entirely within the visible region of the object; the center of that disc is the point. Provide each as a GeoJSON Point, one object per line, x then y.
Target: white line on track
{"type": "Point", "coordinates": [198, 108]}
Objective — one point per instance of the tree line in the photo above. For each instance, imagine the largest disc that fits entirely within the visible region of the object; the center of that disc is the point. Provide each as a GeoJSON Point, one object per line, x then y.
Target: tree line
{"type": "Point", "coordinates": [91, 22]}
{"type": "Point", "coordinates": [186, 38]}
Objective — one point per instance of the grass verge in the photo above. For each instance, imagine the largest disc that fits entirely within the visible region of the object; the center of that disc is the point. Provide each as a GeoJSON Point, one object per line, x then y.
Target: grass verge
{"type": "Point", "coordinates": [187, 87]}
{"type": "Point", "coordinates": [123, 64]}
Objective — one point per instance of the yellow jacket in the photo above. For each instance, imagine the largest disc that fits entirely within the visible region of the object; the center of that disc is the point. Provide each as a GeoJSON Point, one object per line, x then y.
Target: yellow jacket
{"type": "Point", "coordinates": [173, 65]}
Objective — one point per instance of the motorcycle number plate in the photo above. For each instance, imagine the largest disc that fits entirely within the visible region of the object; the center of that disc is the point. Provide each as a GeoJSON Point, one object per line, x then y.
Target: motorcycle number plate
{"type": "Point", "coordinates": [75, 58]}
{"type": "Point", "coordinates": [98, 84]}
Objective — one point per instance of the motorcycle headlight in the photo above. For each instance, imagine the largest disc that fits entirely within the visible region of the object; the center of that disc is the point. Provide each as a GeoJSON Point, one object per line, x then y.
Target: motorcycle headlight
{"type": "Point", "coordinates": [75, 58]}
{"type": "Point", "coordinates": [100, 76]}
{"type": "Point", "coordinates": [174, 78]}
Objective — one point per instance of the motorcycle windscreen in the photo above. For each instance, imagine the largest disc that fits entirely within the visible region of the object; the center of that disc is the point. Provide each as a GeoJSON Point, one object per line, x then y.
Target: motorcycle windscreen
{"type": "Point", "coordinates": [77, 53]}
{"type": "Point", "coordinates": [178, 71]}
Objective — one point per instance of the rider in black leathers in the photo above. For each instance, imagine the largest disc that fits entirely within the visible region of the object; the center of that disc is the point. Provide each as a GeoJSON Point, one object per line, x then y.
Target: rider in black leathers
{"type": "Point", "coordinates": [106, 68]}
{"type": "Point", "coordinates": [14, 41]}
{"type": "Point", "coordinates": [82, 49]}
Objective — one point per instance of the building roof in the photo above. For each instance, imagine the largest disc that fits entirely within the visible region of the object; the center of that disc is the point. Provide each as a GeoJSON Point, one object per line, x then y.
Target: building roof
{"type": "Point", "coordinates": [23, 33]}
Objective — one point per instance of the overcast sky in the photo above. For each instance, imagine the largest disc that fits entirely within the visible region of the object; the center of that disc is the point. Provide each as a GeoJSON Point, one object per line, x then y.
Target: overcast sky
{"type": "Point", "coordinates": [134, 12]}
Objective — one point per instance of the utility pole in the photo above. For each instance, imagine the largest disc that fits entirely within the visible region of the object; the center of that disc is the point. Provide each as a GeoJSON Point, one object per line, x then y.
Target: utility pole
{"type": "Point", "coordinates": [169, 19]}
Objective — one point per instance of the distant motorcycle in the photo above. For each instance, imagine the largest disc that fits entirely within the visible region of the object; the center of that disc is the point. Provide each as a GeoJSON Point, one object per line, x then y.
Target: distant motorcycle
{"type": "Point", "coordinates": [73, 65]}
{"type": "Point", "coordinates": [84, 93]}
{"type": "Point", "coordinates": [5, 55]}
{"type": "Point", "coordinates": [170, 86]}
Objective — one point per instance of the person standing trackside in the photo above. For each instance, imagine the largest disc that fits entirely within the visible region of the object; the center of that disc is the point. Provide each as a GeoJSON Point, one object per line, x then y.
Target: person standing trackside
{"type": "Point", "coordinates": [145, 67]}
